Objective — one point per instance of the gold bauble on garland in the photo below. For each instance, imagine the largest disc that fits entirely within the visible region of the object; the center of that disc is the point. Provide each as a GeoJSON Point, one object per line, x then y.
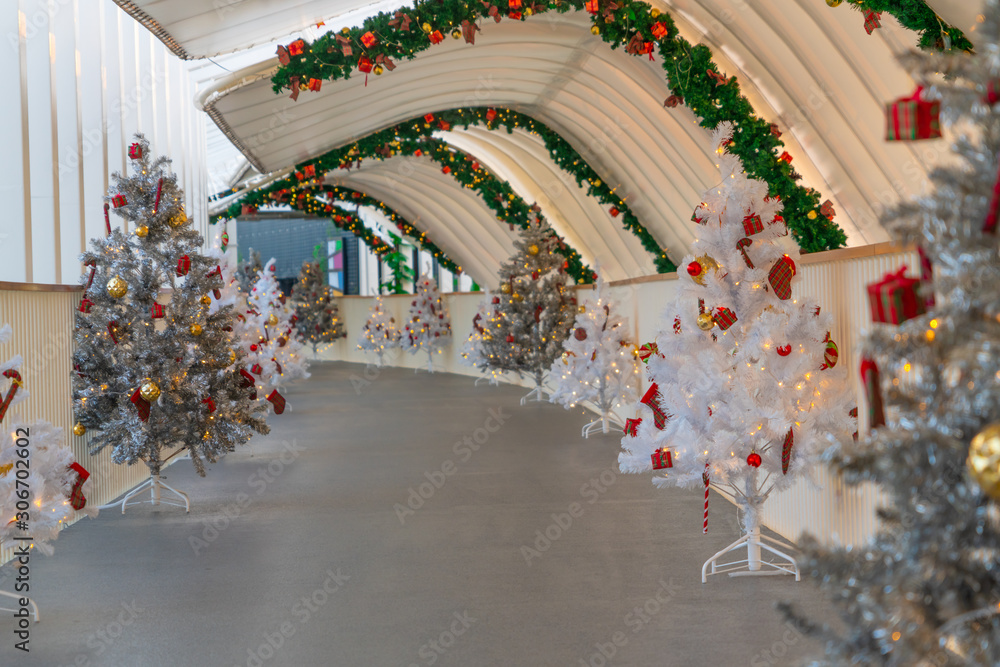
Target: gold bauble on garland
{"type": "Point", "coordinates": [142, 231]}
{"type": "Point", "coordinates": [594, 30]}
{"type": "Point", "coordinates": [706, 321]}
{"type": "Point", "coordinates": [117, 287]}
{"type": "Point", "coordinates": [456, 34]}
{"type": "Point", "coordinates": [149, 390]}
{"type": "Point", "coordinates": [533, 249]}
{"type": "Point", "coordinates": [426, 27]}
{"type": "Point", "coordinates": [834, 3]}
{"type": "Point", "coordinates": [377, 71]}
{"type": "Point", "coordinates": [272, 319]}
{"type": "Point", "coordinates": [206, 300]}
{"type": "Point", "coordinates": [195, 329]}
{"type": "Point", "coordinates": [654, 12]}
{"type": "Point", "coordinates": [79, 429]}
{"type": "Point", "coordinates": [984, 460]}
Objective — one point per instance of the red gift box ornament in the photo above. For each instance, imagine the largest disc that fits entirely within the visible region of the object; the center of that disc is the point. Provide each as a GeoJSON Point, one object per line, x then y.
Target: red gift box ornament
{"type": "Point", "coordinates": [211, 404]}
{"type": "Point", "coordinates": [896, 298]}
{"type": "Point", "coordinates": [369, 40]}
{"type": "Point", "coordinates": [156, 311]}
{"type": "Point", "coordinates": [141, 404]}
{"type": "Point", "coordinates": [429, 118]}
{"type": "Point", "coordinates": [785, 157]}
{"type": "Point", "coordinates": [827, 209]}
{"type": "Point", "coordinates": [514, 4]}
{"type": "Point", "coordinates": [76, 498]}
{"type": "Point", "coordinates": [118, 201]}
{"type": "Point", "coordinates": [752, 224]}
{"type": "Point", "coordinates": [724, 318]}
{"type": "Point", "coordinates": [662, 459]}
{"type": "Point", "coordinates": [443, 124]}
{"type": "Point", "coordinates": [780, 276]}
{"type": "Point", "coordinates": [659, 29]}
{"type": "Point", "coordinates": [315, 85]}
{"type": "Point", "coordinates": [135, 151]}
{"type": "Point", "coordinates": [591, 6]}
{"type": "Point", "coordinates": [490, 115]}
{"type": "Point", "coordinates": [631, 425]}
{"type": "Point", "coordinates": [365, 64]}
{"type": "Point", "coordinates": [183, 265]}
{"type": "Point", "coordinates": [652, 399]}
{"type": "Point", "coordinates": [256, 369]}
{"type": "Point", "coordinates": [436, 37]}
{"type": "Point", "coordinates": [912, 118]}
{"type": "Point", "coordinates": [873, 20]}
{"type": "Point", "coordinates": [85, 305]}
{"type": "Point", "coordinates": [297, 47]}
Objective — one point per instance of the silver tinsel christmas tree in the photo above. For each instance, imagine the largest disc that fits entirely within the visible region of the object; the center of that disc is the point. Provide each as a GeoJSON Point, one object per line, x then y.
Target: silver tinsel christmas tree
{"type": "Point", "coordinates": [153, 373]}
{"type": "Point", "coordinates": [318, 315]}
{"type": "Point", "coordinates": [536, 307]}
{"type": "Point", "coordinates": [925, 590]}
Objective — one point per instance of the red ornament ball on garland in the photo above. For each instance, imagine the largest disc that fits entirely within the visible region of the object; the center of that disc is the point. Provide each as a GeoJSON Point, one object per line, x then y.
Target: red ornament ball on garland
{"type": "Point", "coordinates": [580, 333]}
{"type": "Point", "coordinates": [753, 460]}
{"type": "Point", "coordinates": [694, 269]}
{"type": "Point", "coordinates": [783, 350]}
{"type": "Point", "coordinates": [253, 348]}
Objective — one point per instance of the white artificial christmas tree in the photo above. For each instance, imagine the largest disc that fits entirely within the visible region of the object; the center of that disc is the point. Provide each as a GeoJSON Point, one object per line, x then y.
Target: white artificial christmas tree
{"type": "Point", "coordinates": [273, 354]}
{"type": "Point", "coordinates": [747, 391]}
{"type": "Point", "coordinates": [598, 364]}
{"type": "Point", "coordinates": [484, 323]}
{"type": "Point", "coordinates": [380, 333]}
{"type": "Point", "coordinates": [429, 326]}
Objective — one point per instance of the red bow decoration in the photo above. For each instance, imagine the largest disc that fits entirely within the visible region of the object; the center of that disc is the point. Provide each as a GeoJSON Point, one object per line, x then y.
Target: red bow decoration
{"type": "Point", "coordinates": [293, 83]}
{"type": "Point", "coordinates": [283, 56]}
{"type": "Point", "coordinates": [344, 43]}
{"type": "Point", "coordinates": [609, 10]}
{"type": "Point", "coordinates": [469, 30]}
{"type": "Point", "coordinates": [775, 132]}
{"type": "Point", "coordinates": [385, 61]}
{"type": "Point", "coordinates": [141, 404]}
{"type": "Point", "coordinates": [827, 209]}
{"type": "Point", "coordinates": [401, 20]}
{"type": "Point", "coordinates": [673, 101]}
{"type": "Point", "coordinates": [720, 80]}
{"type": "Point", "coordinates": [492, 10]}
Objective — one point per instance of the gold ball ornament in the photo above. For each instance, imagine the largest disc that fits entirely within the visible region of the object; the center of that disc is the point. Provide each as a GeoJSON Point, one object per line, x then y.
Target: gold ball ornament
{"type": "Point", "coordinates": [177, 219]}
{"type": "Point", "coordinates": [517, 297]}
{"type": "Point", "coordinates": [79, 429]}
{"type": "Point", "coordinates": [581, 309]}
{"type": "Point", "coordinates": [505, 288]}
{"type": "Point", "coordinates": [811, 215]}
{"type": "Point", "coordinates": [232, 357]}
{"type": "Point", "coordinates": [456, 34]}
{"type": "Point", "coordinates": [594, 30]}
{"type": "Point", "coordinates": [206, 300]}
{"type": "Point", "coordinates": [149, 390]}
{"type": "Point", "coordinates": [654, 12]}
{"type": "Point", "coordinates": [117, 287]}
{"type": "Point", "coordinates": [272, 319]}
{"type": "Point", "coordinates": [142, 231]}
{"type": "Point", "coordinates": [378, 70]}
{"type": "Point", "coordinates": [195, 329]}
{"type": "Point", "coordinates": [533, 249]}
{"type": "Point", "coordinates": [984, 460]}
{"type": "Point", "coordinates": [426, 27]}
{"type": "Point", "coordinates": [833, 3]}
{"type": "Point", "coordinates": [706, 321]}
{"type": "Point", "coordinates": [707, 264]}
{"type": "Point", "coordinates": [528, 11]}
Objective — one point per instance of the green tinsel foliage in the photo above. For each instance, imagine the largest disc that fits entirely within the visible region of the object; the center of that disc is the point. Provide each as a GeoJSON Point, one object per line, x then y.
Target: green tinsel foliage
{"type": "Point", "coordinates": [691, 75]}
{"type": "Point", "coordinates": [915, 15]}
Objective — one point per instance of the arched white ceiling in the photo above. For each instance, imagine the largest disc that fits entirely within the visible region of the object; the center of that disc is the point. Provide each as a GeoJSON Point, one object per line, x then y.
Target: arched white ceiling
{"type": "Point", "coordinates": [454, 217]}
{"type": "Point", "coordinates": [804, 65]}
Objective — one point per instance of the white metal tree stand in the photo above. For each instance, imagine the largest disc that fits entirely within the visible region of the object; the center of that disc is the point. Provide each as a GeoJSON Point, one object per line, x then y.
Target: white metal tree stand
{"type": "Point", "coordinates": [535, 394]}
{"type": "Point", "coordinates": [608, 415]}
{"type": "Point", "coordinates": [31, 603]}
{"type": "Point", "coordinates": [750, 501]}
{"type": "Point", "coordinates": [156, 486]}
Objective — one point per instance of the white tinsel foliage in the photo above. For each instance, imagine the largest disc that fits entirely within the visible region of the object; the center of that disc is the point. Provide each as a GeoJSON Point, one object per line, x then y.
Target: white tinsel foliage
{"type": "Point", "coordinates": [536, 306]}
{"type": "Point", "coordinates": [484, 324]}
{"type": "Point", "coordinates": [598, 364]}
{"type": "Point", "coordinates": [248, 270]}
{"type": "Point", "coordinates": [186, 353]}
{"type": "Point", "coordinates": [923, 592]}
{"type": "Point", "coordinates": [273, 353]}
{"type": "Point", "coordinates": [317, 312]}
{"type": "Point", "coordinates": [380, 333]}
{"type": "Point", "coordinates": [429, 326]}
{"type": "Point", "coordinates": [733, 392]}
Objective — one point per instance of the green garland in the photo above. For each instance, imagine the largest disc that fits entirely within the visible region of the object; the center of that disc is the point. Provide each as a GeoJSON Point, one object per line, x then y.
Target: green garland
{"type": "Point", "coordinates": [693, 77]}
{"type": "Point", "coordinates": [915, 15]}
{"type": "Point", "coordinates": [412, 139]}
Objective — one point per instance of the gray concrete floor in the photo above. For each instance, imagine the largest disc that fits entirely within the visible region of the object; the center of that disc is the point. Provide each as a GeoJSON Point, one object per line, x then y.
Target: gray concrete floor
{"type": "Point", "coordinates": [295, 555]}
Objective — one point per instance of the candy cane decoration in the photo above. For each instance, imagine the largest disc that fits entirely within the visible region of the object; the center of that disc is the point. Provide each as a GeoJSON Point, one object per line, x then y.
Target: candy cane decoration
{"type": "Point", "coordinates": [704, 525]}
{"type": "Point", "coordinates": [743, 244]}
{"type": "Point", "coordinates": [107, 220]}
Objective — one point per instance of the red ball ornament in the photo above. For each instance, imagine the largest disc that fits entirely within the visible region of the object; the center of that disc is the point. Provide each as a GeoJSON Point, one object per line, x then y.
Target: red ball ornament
{"type": "Point", "coordinates": [753, 460]}
{"type": "Point", "coordinates": [694, 269]}
{"type": "Point", "coordinates": [510, 338]}
{"type": "Point", "coordinates": [580, 333]}
{"type": "Point", "coordinates": [496, 300]}
{"type": "Point", "coordinates": [534, 275]}
{"type": "Point", "coordinates": [253, 348]}
{"type": "Point", "coordinates": [783, 350]}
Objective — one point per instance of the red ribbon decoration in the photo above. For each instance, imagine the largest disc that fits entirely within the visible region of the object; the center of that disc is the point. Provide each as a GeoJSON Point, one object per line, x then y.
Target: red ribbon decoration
{"type": "Point", "coordinates": [469, 30]}
{"type": "Point", "coordinates": [16, 382]}
{"type": "Point", "coordinates": [720, 80]}
{"type": "Point", "coordinates": [402, 20]}
{"type": "Point", "coordinates": [283, 57]}
{"type": "Point", "coordinates": [293, 83]}
{"type": "Point", "coordinates": [386, 61]}
{"type": "Point", "coordinates": [107, 221]}
{"type": "Point", "coordinates": [159, 191]}
{"type": "Point", "coordinates": [113, 330]}
{"type": "Point", "coordinates": [141, 404]}
{"type": "Point", "coordinates": [492, 10]}
{"type": "Point", "coordinates": [345, 45]}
